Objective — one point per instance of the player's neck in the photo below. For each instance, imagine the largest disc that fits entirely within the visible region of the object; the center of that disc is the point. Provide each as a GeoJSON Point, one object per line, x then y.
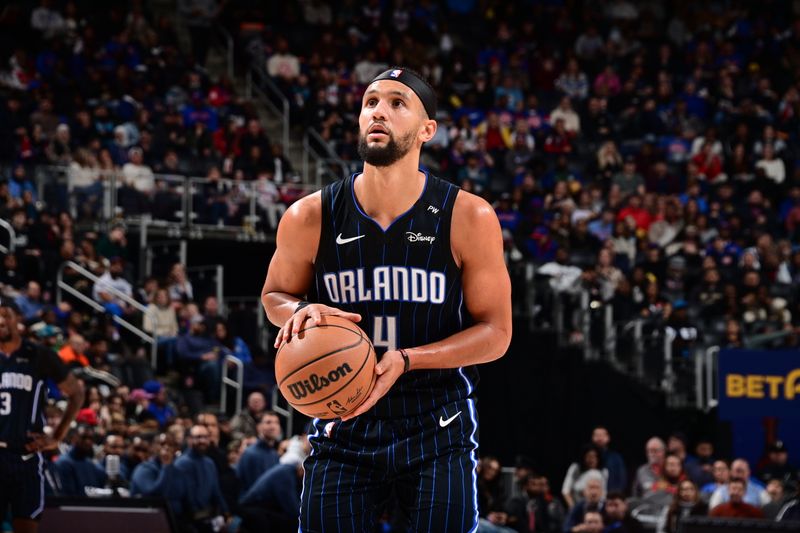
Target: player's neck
{"type": "Point", "coordinates": [385, 193]}
{"type": "Point", "coordinates": [10, 346]}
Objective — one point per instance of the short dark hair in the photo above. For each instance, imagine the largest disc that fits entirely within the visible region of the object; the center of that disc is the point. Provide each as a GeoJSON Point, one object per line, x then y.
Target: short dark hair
{"type": "Point", "coordinates": [615, 495]}
{"type": "Point", "coordinates": [268, 413]}
{"type": "Point", "coordinates": [738, 480]}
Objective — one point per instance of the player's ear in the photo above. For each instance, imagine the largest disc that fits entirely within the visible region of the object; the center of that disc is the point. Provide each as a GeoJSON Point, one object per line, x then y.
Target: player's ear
{"type": "Point", "coordinates": [428, 130]}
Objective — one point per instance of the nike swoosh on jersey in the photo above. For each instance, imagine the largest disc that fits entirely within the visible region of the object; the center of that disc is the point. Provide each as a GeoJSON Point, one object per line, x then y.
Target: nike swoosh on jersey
{"type": "Point", "coordinates": [445, 423]}
{"type": "Point", "coordinates": [340, 240]}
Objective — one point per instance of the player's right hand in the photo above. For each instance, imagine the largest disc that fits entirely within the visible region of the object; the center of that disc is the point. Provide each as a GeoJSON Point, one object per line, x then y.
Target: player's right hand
{"type": "Point", "coordinates": [314, 312]}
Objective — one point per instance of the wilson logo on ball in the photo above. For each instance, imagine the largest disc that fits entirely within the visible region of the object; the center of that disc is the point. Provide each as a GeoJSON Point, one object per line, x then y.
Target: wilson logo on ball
{"type": "Point", "coordinates": [315, 382]}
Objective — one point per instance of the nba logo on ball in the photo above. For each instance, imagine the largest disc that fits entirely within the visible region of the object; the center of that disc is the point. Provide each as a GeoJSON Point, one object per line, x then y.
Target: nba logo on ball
{"type": "Point", "coordinates": [396, 73]}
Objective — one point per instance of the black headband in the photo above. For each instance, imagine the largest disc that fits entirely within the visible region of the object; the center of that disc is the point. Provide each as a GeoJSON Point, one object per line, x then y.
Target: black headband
{"type": "Point", "coordinates": [416, 84]}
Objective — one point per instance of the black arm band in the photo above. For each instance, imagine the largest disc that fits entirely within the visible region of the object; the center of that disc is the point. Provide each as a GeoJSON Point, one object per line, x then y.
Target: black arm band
{"type": "Point", "coordinates": [406, 362]}
{"type": "Point", "coordinates": [301, 305]}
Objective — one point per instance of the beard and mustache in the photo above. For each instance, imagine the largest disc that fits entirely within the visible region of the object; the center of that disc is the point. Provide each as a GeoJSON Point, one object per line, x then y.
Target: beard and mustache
{"type": "Point", "coordinates": [388, 154]}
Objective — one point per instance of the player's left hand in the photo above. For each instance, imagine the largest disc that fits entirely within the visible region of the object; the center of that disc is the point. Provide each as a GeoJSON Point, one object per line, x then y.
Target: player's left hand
{"type": "Point", "coordinates": [388, 369]}
{"type": "Point", "coordinates": [40, 442]}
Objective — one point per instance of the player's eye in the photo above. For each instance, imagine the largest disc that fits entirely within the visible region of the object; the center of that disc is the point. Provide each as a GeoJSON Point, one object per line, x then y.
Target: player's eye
{"type": "Point", "coordinates": [372, 101]}
{"type": "Point", "coordinates": [398, 103]}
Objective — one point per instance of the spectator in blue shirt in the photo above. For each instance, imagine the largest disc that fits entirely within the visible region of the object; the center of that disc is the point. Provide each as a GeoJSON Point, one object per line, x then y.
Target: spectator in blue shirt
{"type": "Point", "coordinates": [273, 502]}
{"type": "Point", "coordinates": [613, 461]}
{"type": "Point", "coordinates": [30, 304]}
{"type": "Point", "coordinates": [261, 456]}
{"type": "Point", "coordinates": [76, 469]}
{"type": "Point", "coordinates": [157, 476]}
{"type": "Point", "coordinates": [197, 497]}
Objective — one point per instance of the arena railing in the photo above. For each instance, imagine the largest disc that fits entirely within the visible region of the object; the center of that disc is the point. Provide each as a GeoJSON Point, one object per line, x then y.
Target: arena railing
{"type": "Point", "coordinates": [639, 347]}
{"type": "Point", "coordinates": [226, 40]}
{"type": "Point", "coordinates": [328, 166]}
{"type": "Point", "coordinates": [258, 85]}
{"type": "Point", "coordinates": [66, 287]}
{"type": "Point", "coordinates": [12, 237]}
{"type": "Point", "coordinates": [237, 384]}
{"type": "Point", "coordinates": [177, 202]}
{"type": "Point", "coordinates": [286, 412]}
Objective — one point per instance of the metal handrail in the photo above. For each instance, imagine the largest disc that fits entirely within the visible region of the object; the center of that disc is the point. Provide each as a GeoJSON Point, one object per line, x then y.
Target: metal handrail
{"type": "Point", "coordinates": [286, 413]}
{"type": "Point", "coordinates": [229, 50]}
{"type": "Point", "coordinates": [309, 151]}
{"type": "Point", "coordinates": [261, 94]}
{"type": "Point", "coordinates": [12, 237]}
{"type": "Point", "coordinates": [63, 285]}
{"type": "Point", "coordinates": [237, 384]}
{"type": "Point", "coordinates": [711, 356]}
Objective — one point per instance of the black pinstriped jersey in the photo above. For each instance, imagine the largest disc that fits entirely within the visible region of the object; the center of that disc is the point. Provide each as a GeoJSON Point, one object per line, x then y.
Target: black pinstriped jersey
{"type": "Point", "coordinates": [23, 391]}
{"type": "Point", "coordinates": [403, 281]}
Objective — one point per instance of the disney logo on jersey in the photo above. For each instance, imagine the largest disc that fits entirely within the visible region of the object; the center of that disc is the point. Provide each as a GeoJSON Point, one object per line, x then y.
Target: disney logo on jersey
{"type": "Point", "coordinates": [419, 238]}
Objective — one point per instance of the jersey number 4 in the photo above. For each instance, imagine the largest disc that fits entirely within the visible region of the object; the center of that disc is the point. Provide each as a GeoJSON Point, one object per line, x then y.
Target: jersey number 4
{"type": "Point", "coordinates": [384, 332]}
{"type": "Point", "coordinates": [5, 403]}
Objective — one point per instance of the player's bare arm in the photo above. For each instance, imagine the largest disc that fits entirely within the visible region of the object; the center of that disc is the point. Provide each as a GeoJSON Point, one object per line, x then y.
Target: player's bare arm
{"type": "Point", "coordinates": [72, 388]}
{"type": "Point", "coordinates": [291, 270]}
{"type": "Point", "coordinates": [477, 244]}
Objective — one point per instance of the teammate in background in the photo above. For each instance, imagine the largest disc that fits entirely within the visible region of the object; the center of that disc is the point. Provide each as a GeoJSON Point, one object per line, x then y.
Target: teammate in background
{"type": "Point", "coordinates": [419, 265]}
{"type": "Point", "coordinates": [24, 368]}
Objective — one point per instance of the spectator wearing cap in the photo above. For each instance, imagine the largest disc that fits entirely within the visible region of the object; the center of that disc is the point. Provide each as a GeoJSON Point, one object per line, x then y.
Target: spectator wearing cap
{"type": "Point", "coordinates": [754, 493]}
{"type": "Point", "coordinates": [159, 405]}
{"type": "Point", "coordinates": [262, 455]}
{"type": "Point", "coordinates": [273, 500]}
{"type": "Point", "coordinates": [736, 506]}
{"type": "Point", "coordinates": [77, 469]}
{"type": "Point", "coordinates": [777, 465]}
{"type": "Point", "coordinates": [157, 476]}
{"type": "Point", "coordinates": [612, 460]}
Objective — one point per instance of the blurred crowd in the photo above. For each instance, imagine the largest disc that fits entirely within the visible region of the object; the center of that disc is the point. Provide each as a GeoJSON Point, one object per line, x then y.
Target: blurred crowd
{"type": "Point", "coordinates": [599, 494]}
{"type": "Point", "coordinates": [643, 151]}
{"type": "Point", "coordinates": [104, 94]}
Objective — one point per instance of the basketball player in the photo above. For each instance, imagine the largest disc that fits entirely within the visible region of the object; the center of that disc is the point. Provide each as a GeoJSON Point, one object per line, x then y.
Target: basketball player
{"type": "Point", "coordinates": [419, 265]}
{"type": "Point", "coordinates": [24, 369]}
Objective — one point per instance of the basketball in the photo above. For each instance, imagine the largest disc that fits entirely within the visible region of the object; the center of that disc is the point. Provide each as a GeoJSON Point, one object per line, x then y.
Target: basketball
{"type": "Point", "coordinates": [326, 370]}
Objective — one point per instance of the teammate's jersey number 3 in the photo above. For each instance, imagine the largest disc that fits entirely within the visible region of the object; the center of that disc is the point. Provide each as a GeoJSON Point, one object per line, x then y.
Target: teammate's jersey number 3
{"type": "Point", "coordinates": [5, 403]}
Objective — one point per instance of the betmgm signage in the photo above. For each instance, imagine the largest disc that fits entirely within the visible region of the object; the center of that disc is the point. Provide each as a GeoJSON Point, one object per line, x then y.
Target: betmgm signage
{"type": "Point", "coordinates": [759, 383]}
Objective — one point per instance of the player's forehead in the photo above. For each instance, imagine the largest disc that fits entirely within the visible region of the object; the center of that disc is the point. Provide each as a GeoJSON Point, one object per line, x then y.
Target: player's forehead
{"type": "Point", "coordinates": [386, 88]}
